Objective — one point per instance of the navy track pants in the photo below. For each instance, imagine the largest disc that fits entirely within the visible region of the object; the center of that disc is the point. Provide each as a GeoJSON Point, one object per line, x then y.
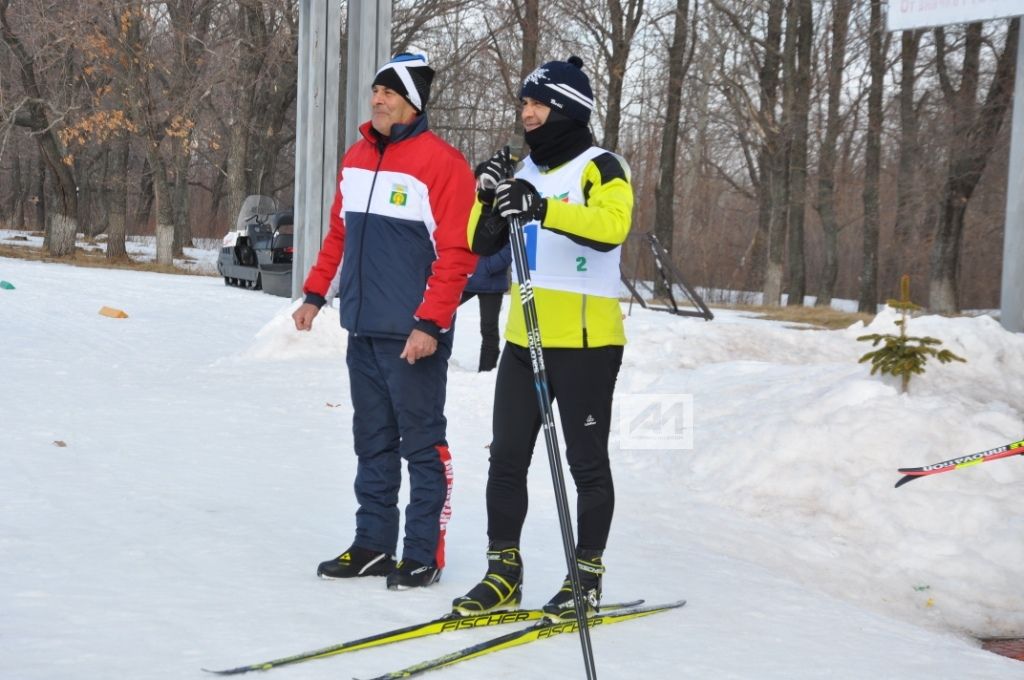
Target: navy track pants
{"type": "Point", "coordinates": [399, 414]}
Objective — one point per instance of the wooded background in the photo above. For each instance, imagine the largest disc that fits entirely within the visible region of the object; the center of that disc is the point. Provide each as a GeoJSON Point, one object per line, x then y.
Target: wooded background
{"type": "Point", "coordinates": [777, 146]}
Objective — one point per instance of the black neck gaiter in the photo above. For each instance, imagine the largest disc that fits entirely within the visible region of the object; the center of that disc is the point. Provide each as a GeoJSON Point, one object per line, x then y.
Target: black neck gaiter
{"type": "Point", "coordinates": [557, 141]}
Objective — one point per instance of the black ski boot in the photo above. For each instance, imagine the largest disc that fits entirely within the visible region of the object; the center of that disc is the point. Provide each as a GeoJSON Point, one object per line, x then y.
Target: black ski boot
{"type": "Point", "coordinates": [357, 561]}
{"type": "Point", "coordinates": [500, 590]}
{"type": "Point", "coordinates": [413, 574]}
{"type": "Point", "coordinates": [562, 607]}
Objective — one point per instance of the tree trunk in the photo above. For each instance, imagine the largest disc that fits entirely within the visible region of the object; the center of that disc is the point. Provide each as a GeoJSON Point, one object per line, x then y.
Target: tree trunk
{"type": "Point", "coordinates": [117, 191]}
{"type": "Point", "coordinates": [164, 210]}
{"type": "Point", "coordinates": [771, 164]}
{"type": "Point", "coordinates": [625, 18]}
{"type": "Point", "coordinates": [180, 210]}
{"type": "Point", "coordinates": [802, 14]}
{"type": "Point", "coordinates": [236, 176]}
{"type": "Point", "coordinates": [92, 204]}
{"type": "Point", "coordinates": [39, 199]}
{"type": "Point", "coordinates": [270, 117]}
{"type": "Point", "coordinates": [18, 195]}
{"type": "Point", "coordinates": [251, 50]}
{"type": "Point", "coordinates": [62, 230]}
{"type": "Point", "coordinates": [778, 190]}
{"type": "Point", "coordinates": [779, 173]}
{"type": "Point", "coordinates": [868, 299]}
{"type": "Point", "coordinates": [827, 155]}
{"type": "Point", "coordinates": [695, 157]}
{"type": "Point", "coordinates": [33, 114]}
{"type": "Point", "coordinates": [908, 158]}
{"type": "Point", "coordinates": [529, 26]}
{"type": "Point", "coordinates": [217, 197]}
{"type": "Point", "coordinates": [974, 135]}
{"type": "Point", "coordinates": [664, 193]}
{"type": "Point", "coordinates": [144, 208]}
{"type": "Point", "coordinates": [616, 75]}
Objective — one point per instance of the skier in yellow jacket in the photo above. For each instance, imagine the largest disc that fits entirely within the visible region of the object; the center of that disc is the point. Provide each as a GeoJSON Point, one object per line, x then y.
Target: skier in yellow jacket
{"type": "Point", "coordinates": [576, 202]}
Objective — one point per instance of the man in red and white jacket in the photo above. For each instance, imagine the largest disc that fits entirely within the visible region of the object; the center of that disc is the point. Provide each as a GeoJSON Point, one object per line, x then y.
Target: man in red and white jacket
{"type": "Point", "coordinates": [399, 233]}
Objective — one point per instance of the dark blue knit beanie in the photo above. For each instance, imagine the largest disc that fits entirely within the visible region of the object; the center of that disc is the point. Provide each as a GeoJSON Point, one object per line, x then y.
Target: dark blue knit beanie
{"type": "Point", "coordinates": [563, 86]}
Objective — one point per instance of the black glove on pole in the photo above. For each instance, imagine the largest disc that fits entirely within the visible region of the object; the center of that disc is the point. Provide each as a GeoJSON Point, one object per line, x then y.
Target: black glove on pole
{"type": "Point", "coordinates": [492, 171]}
{"type": "Point", "coordinates": [518, 198]}
{"type": "Point", "coordinates": [540, 380]}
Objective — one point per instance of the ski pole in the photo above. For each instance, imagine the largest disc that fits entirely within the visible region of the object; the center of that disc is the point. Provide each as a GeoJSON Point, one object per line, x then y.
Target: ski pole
{"type": "Point", "coordinates": [540, 381]}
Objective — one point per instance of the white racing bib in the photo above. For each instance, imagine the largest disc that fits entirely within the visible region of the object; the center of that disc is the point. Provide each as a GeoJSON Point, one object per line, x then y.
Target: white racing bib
{"type": "Point", "coordinates": [556, 261]}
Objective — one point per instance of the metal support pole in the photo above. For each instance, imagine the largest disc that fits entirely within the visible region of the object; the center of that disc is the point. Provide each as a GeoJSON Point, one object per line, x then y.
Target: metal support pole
{"type": "Point", "coordinates": [369, 46]}
{"type": "Point", "coordinates": [316, 130]}
{"type": "Point", "coordinates": [1012, 297]}
{"type": "Point", "coordinates": [316, 118]}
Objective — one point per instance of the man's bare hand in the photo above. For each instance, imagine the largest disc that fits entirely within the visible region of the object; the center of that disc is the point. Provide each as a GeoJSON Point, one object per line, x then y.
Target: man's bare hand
{"type": "Point", "coordinates": [418, 346]}
{"type": "Point", "coordinates": [304, 315]}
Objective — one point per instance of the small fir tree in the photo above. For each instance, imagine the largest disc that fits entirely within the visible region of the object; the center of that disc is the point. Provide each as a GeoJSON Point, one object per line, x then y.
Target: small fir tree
{"type": "Point", "coordinates": [902, 355]}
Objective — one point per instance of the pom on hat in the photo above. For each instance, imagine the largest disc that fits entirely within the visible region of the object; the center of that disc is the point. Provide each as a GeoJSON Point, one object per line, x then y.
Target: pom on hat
{"type": "Point", "coordinates": [563, 86]}
{"type": "Point", "coordinates": [410, 76]}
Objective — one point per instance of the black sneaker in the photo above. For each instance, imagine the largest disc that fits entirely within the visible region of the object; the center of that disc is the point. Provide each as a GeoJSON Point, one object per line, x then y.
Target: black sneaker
{"type": "Point", "coordinates": [500, 590]}
{"type": "Point", "coordinates": [562, 607]}
{"type": "Point", "coordinates": [413, 574]}
{"type": "Point", "coordinates": [357, 561]}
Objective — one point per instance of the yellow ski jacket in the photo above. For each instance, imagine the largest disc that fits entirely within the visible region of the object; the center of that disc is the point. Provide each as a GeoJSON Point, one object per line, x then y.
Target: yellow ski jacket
{"type": "Point", "coordinates": [568, 319]}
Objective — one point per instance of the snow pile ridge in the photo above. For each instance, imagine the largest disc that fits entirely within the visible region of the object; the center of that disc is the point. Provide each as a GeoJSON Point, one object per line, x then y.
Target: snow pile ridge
{"type": "Point", "coordinates": [279, 340]}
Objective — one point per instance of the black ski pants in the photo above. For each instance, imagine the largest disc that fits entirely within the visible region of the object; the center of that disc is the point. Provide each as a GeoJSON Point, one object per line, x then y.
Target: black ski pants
{"type": "Point", "coordinates": [490, 309]}
{"type": "Point", "coordinates": [582, 382]}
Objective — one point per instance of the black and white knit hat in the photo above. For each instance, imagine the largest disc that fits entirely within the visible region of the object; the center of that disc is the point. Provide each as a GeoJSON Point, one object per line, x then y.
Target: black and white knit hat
{"type": "Point", "coordinates": [563, 86]}
{"type": "Point", "coordinates": [410, 76]}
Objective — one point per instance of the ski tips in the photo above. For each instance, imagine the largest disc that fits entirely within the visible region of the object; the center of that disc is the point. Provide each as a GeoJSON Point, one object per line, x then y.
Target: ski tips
{"type": "Point", "coordinates": [1012, 449]}
{"type": "Point", "coordinates": [229, 671]}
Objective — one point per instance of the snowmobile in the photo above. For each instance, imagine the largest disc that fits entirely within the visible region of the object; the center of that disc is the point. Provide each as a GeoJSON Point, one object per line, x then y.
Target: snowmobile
{"type": "Point", "coordinates": [257, 253]}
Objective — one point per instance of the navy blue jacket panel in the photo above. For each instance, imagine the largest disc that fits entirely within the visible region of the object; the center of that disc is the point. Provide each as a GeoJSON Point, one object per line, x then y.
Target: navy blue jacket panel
{"type": "Point", "coordinates": [491, 275]}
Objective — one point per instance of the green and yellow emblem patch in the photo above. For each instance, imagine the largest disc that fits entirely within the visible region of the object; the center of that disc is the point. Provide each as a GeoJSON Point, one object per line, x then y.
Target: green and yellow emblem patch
{"type": "Point", "coordinates": [399, 195]}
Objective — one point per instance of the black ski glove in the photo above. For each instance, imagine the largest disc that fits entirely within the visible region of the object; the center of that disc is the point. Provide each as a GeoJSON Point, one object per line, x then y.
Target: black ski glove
{"type": "Point", "coordinates": [516, 198]}
{"type": "Point", "coordinates": [490, 173]}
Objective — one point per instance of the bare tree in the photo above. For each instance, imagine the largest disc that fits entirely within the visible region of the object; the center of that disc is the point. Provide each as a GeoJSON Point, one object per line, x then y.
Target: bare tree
{"type": "Point", "coordinates": [868, 299]}
{"type": "Point", "coordinates": [36, 112]}
{"type": "Point", "coordinates": [611, 26]}
{"type": "Point", "coordinates": [910, 43]}
{"type": "Point", "coordinates": [801, 16]}
{"type": "Point", "coordinates": [117, 192]}
{"type": "Point", "coordinates": [975, 128]}
{"type": "Point", "coordinates": [759, 127]}
{"type": "Point", "coordinates": [264, 88]}
{"type": "Point", "coordinates": [826, 201]}
{"type": "Point", "coordinates": [664, 208]}
{"type": "Point", "coordinates": [776, 159]}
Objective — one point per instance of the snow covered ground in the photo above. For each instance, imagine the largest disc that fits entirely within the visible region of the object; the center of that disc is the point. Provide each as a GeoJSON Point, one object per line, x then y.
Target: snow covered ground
{"type": "Point", "coordinates": [206, 468]}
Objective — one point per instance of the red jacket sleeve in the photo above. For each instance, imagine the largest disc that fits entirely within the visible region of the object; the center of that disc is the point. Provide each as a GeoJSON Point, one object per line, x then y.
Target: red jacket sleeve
{"type": "Point", "coordinates": [451, 199]}
{"type": "Point", "coordinates": [318, 281]}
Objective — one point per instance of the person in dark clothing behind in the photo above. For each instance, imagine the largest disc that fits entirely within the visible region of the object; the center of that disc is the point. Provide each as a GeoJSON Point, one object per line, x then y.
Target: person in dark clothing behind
{"type": "Point", "coordinates": [489, 283]}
